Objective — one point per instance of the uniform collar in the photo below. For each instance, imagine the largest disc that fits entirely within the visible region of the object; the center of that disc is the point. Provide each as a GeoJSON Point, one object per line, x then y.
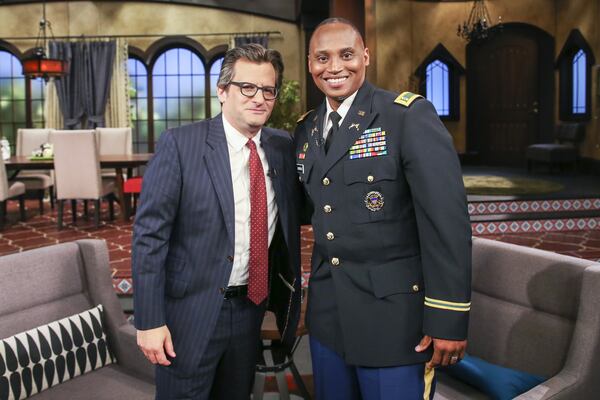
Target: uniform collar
{"type": "Point", "coordinates": [342, 109]}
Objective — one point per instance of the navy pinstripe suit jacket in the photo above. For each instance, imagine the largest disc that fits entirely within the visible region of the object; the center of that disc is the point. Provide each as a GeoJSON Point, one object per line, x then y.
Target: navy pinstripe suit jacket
{"type": "Point", "coordinates": [183, 239]}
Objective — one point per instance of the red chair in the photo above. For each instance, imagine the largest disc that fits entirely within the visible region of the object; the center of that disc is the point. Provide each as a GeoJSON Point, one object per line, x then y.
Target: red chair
{"type": "Point", "coordinates": [131, 188]}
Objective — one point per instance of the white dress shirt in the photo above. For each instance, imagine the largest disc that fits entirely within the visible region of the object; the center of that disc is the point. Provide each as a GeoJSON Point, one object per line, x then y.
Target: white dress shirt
{"type": "Point", "coordinates": [342, 110]}
{"type": "Point", "coordinates": [239, 155]}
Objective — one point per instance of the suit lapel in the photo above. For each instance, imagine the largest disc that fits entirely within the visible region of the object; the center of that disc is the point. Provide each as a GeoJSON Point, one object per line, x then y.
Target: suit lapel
{"type": "Point", "coordinates": [216, 159]}
{"type": "Point", "coordinates": [358, 118]}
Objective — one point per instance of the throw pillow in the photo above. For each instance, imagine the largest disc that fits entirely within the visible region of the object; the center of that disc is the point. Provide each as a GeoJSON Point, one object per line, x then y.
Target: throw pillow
{"type": "Point", "coordinates": [50, 354]}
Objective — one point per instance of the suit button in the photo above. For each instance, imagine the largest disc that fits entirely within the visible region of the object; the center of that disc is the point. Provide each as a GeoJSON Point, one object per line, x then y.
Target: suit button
{"type": "Point", "coordinates": [326, 181]}
{"type": "Point", "coordinates": [330, 236]}
{"type": "Point", "coordinates": [327, 208]}
{"type": "Point", "coordinates": [415, 288]}
{"type": "Point", "coordinates": [335, 261]}
{"type": "Point", "coordinates": [230, 258]}
{"type": "Point", "coordinates": [300, 178]}
{"type": "Point", "coordinates": [370, 178]}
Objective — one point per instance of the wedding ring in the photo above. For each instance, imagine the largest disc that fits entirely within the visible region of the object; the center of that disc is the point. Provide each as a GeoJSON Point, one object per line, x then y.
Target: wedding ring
{"type": "Point", "coordinates": [454, 359]}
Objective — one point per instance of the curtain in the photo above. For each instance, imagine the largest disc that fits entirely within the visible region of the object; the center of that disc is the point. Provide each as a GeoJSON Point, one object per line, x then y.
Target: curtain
{"type": "Point", "coordinates": [52, 116]}
{"type": "Point", "coordinates": [83, 92]}
{"type": "Point", "coordinates": [117, 113]}
{"type": "Point", "coordinates": [98, 60]}
{"type": "Point", "coordinates": [260, 39]}
{"type": "Point", "coordinates": [68, 87]}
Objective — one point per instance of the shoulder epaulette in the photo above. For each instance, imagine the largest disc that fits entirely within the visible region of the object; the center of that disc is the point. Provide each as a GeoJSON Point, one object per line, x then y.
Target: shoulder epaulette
{"type": "Point", "coordinates": [303, 116]}
{"type": "Point", "coordinates": [407, 98]}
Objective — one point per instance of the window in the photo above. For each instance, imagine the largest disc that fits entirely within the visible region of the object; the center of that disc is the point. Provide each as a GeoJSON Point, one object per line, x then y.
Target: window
{"type": "Point", "coordinates": [579, 86]}
{"type": "Point", "coordinates": [37, 87]}
{"type": "Point", "coordinates": [439, 74]}
{"type": "Point", "coordinates": [177, 88]}
{"type": "Point", "coordinates": [138, 94]}
{"type": "Point", "coordinates": [215, 104]}
{"type": "Point", "coordinates": [438, 88]}
{"type": "Point", "coordinates": [574, 67]}
{"type": "Point", "coordinates": [12, 97]}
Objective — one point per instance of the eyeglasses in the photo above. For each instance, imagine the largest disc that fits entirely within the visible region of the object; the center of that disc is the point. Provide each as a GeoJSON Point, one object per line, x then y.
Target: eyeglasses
{"type": "Point", "coordinates": [250, 89]}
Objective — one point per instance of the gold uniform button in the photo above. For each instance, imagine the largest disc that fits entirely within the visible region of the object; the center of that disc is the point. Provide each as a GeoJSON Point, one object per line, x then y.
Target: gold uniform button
{"type": "Point", "coordinates": [415, 288]}
{"type": "Point", "coordinates": [370, 178]}
{"type": "Point", "coordinates": [327, 208]}
{"type": "Point", "coordinates": [335, 261]}
{"type": "Point", "coordinates": [326, 181]}
{"type": "Point", "coordinates": [330, 236]}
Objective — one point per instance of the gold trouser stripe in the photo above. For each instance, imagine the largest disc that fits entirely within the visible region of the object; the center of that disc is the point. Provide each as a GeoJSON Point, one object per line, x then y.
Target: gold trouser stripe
{"type": "Point", "coordinates": [433, 305]}
{"type": "Point", "coordinates": [448, 303]}
{"type": "Point", "coordinates": [428, 378]}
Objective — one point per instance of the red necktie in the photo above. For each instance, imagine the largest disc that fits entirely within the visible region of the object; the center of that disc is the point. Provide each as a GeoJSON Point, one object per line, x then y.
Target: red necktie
{"type": "Point", "coordinates": [258, 265]}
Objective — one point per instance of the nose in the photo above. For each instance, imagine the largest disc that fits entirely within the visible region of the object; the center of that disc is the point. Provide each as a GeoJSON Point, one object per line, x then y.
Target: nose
{"type": "Point", "coordinates": [335, 65]}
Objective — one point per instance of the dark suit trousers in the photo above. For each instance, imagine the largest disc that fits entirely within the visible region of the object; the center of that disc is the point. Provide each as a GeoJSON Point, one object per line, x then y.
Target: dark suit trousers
{"type": "Point", "coordinates": [226, 369]}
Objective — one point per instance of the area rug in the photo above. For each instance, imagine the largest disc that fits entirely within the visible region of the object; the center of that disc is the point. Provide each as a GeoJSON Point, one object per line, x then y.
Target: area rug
{"type": "Point", "coordinates": [505, 186]}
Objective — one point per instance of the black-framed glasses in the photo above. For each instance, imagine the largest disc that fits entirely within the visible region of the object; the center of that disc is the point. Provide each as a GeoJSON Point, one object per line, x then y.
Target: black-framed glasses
{"type": "Point", "coordinates": [250, 89]}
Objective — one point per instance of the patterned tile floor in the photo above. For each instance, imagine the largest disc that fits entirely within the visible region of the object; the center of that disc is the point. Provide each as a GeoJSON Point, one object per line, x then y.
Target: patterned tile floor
{"type": "Point", "coordinates": [40, 230]}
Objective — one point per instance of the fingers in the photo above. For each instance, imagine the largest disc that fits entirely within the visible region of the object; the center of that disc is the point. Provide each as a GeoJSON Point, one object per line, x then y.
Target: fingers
{"type": "Point", "coordinates": [154, 342]}
{"type": "Point", "coordinates": [423, 344]}
{"type": "Point", "coordinates": [447, 352]}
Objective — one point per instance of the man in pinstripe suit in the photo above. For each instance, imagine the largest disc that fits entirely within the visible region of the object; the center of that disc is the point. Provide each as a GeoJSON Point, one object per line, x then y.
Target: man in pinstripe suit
{"type": "Point", "coordinates": [216, 238]}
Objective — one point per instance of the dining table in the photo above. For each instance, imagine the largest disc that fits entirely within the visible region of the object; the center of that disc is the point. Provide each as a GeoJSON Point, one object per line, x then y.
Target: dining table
{"type": "Point", "coordinates": [117, 161]}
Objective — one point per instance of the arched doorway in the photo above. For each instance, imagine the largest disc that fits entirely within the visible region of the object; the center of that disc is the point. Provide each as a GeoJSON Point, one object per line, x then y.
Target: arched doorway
{"type": "Point", "coordinates": [510, 94]}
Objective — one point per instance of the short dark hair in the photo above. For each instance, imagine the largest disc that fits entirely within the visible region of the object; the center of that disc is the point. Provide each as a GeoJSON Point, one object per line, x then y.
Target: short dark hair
{"type": "Point", "coordinates": [252, 52]}
{"type": "Point", "coordinates": [339, 20]}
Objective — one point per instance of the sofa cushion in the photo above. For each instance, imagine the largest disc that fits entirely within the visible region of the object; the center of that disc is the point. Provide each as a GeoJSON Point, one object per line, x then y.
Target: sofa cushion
{"type": "Point", "coordinates": [42, 357]}
{"type": "Point", "coordinates": [498, 382]}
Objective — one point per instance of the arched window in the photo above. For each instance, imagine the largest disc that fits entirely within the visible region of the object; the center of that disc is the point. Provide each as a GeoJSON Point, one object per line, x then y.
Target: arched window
{"type": "Point", "coordinates": [439, 74]}
{"type": "Point", "coordinates": [13, 108]}
{"type": "Point", "coordinates": [215, 68]}
{"type": "Point", "coordinates": [438, 87]}
{"type": "Point", "coordinates": [575, 75]}
{"type": "Point", "coordinates": [579, 83]}
{"type": "Point", "coordinates": [138, 95]}
{"type": "Point", "coordinates": [179, 89]}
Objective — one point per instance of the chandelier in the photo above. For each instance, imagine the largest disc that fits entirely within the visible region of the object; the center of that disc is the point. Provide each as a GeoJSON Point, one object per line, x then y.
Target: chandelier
{"type": "Point", "coordinates": [478, 26]}
{"type": "Point", "coordinates": [38, 65]}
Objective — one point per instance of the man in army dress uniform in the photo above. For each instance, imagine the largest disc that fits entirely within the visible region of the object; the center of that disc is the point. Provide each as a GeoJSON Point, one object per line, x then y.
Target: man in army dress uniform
{"type": "Point", "coordinates": [389, 293]}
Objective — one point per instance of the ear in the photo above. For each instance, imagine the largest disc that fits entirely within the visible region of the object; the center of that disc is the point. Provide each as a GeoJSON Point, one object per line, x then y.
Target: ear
{"type": "Point", "coordinates": [308, 62]}
{"type": "Point", "coordinates": [366, 55]}
{"type": "Point", "coordinates": [222, 94]}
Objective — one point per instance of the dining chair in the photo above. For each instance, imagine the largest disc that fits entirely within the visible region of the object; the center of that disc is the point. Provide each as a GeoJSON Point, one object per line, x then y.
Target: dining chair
{"type": "Point", "coordinates": [8, 191]}
{"type": "Point", "coordinates": [113, 141]}
{"type": "Point", "coordinates": [77, 171]}
{"type": "Point", "coordinates": [37, 181]}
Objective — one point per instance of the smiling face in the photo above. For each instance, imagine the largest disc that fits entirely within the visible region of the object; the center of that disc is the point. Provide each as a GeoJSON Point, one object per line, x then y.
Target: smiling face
{"type": "Point", "coordinates": [337, 61]}
{"type": "Point", "coordinates": [248, 114]}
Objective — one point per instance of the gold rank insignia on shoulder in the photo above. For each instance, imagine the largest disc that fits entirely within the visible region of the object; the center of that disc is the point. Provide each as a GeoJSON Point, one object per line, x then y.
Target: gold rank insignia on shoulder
{"type": "Point", "coordinates": [303, 116]}
{"type": "Point", "coordinates": [407, 98]}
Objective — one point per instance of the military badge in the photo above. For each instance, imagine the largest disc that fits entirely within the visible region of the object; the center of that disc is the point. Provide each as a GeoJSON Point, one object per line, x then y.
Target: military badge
{"type": "Point", "coordinates": [357, 126]}
{"type": "Point", "coordinates": [371, 143]}
{"type": "Point", "coordinates": [301, 156]}
{"type": "Point", "coordinates": [300, 168]}
{"type": "Point", "coordinates": [374, 201]}
{"type": "Point", "coordinates": [361, 113]}
{"type": "Point", "coordinates": [305, 147]}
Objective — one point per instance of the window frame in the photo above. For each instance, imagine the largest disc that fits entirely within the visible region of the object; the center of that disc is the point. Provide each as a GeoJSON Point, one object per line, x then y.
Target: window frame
{"type": "Point", "coordinates": [564, 63]}
{"type": "Point", "coordinates": [149, 59]}
{"type": "Point", "coordinates": [455, 70]}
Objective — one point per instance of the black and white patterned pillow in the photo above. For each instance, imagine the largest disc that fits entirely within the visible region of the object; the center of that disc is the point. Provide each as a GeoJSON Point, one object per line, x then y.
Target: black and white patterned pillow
{"type": "Point", "coordinates": [45, 356]}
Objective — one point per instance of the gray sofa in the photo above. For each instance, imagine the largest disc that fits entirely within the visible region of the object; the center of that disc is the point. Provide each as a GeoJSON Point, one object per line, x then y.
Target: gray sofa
{"type": "Point", "coordinates": [538, 312]}
{"type": "Point", "coordinates": [50, 283]}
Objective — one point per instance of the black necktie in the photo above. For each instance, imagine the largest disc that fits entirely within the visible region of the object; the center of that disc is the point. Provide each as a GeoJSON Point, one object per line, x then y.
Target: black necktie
{"type": "Point", "coordinates": [335, 121]}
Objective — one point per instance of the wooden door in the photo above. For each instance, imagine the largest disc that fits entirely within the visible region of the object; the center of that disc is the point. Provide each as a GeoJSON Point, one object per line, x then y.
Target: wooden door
{"type": "Point", "coordinates": [504, 105]}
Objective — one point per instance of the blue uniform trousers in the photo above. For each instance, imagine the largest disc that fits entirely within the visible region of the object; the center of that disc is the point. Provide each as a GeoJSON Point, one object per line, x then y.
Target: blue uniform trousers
{"type": "Point", "coordinates": [336, 380]}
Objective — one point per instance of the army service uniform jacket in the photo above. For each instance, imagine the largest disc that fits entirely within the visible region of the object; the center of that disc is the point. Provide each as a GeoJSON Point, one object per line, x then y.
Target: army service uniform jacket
{"type": "Point", "coordinates": [392, 254]}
